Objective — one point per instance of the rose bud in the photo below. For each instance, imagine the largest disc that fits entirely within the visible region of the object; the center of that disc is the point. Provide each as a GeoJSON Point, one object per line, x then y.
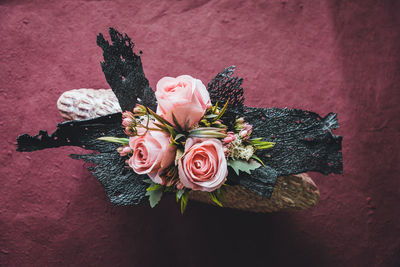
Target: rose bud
{"type": "Point", "coordinates": [248, 127]}
{"type": "Point", "coordinates": [179, 186]}
{"type": "Point", "coordinates": [244, 134]}
{"type": "Point", "coordinates": [229, 138]}
{"type": "Point", "coordinates": [123, 151]}
{"type": "Point", "coordinates": [127, 121]}
{"type": "Point", "coordinates": [246, 131]}
{"type": "Point", "coordinates": [127, 114]}
{"type": "Point", "coordinates": [139, 110]}
{"type": "Point", "coordinates": [130, 131]}
{"type": "Point", "coordinates": [240, 120]}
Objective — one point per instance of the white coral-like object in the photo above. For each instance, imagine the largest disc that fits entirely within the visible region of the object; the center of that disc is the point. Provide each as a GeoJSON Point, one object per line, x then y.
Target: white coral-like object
{"type": "Point", "coordinates": [85, 103]}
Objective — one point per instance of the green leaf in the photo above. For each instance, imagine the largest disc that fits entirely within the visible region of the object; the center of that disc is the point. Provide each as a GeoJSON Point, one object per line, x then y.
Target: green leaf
{"type": "Point", "coordinates": [244, 166]}
{"type": "Point", "coordinates": [159, 118]}
{"type": "Point", "coordinates": [154, 187]}
{"type": "Point", "coordinates": [258, 159]}
{"type": "Point", "coordinates": [178, 136]}
{"type": "Point", "coordinates": [148, 181]}
{"type": "Point", "coordinates": [208, 135]}
{"type": "Point", "coordinates": [222, 111]}
{"type": "Point", "coordinates": [184, 201]}
{"type": "Point", "coordinates": [210, 116]}
{"type": "Point", "coordinates": [178, 155]}
{"type": "Point", "coordinates": [154, 196]}
{"type": "Point", "coordinates": [112, 139]}
{"type": "Point", "coordinates": [214, 198]}
{"type": "Point", "coordinates": [171, 130]}
{"type": "Point", "coordinates": [161, 126]}
{"type": "Point", "coordinates": [220, 194]}
{"type": "Point", "coordinates": [179, 194]}
{"type": "Point", "coordinates": [262, 144]}
{"type": "Point", "coordinates": [214, 108]}
{"type": "Point", "coordinates": [173, 140]}
{"type": "Point", "coordinates": [265, 146]}
{"type": "Point", "coordinates": [179, 128]}
{"type": "Point", "coordinates": [208, 132]}
{"type": "Point", "coordinates": [187, 124]}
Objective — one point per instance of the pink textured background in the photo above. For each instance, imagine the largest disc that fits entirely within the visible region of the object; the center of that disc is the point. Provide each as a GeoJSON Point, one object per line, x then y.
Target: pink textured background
{"type": "Point", "coordinates": [341, 56]}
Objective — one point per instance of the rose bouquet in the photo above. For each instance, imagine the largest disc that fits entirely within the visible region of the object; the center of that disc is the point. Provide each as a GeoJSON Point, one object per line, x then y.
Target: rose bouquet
{"type": "Point", "coordinates": [185, 144]}
{"type": "Point", "coordinates": [185, 137]}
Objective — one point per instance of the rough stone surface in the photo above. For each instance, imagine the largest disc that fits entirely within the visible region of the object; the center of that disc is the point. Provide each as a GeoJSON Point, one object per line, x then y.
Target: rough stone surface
{"type": "Point", "coordinates": [340, 56]}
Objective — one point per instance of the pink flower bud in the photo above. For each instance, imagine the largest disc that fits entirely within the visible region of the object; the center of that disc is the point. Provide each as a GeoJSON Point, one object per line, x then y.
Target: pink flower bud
{"type": "Point", "coordinates": [243, 133]}
{"type": "Point", "coordinates": [123, 151]}
{"type": "Point", "coordinates": [179, 186]}
{"type": "Point", "coordinates": [128, 131]}
{"type": "Point", "coordinates": [126, 150]}
{"type": "Point", "coordinates": [229, 138]}
{"type": "Point", "coordinates": [240, 120]}
{"type": "Point", "coordinates": [247, 127]}
{"type": "Point", "coordinates": [139, 110]}
{"type": "Point", "coordinates": [127, 121]}
{"type": "Point", "coordinates": [127, 114]}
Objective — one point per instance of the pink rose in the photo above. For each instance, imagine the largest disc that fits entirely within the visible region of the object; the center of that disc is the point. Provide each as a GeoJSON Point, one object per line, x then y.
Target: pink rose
{"type": "Point", "coordinates": [186, 97]}
{"type": "Point", "coordinates": [152, 153]}
{"type": "Point", "coordinates": [203, 165]}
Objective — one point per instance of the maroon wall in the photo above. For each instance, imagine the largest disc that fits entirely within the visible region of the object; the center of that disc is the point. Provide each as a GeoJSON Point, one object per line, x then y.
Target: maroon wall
{"type": "Point", "coordinates": [341, 56]}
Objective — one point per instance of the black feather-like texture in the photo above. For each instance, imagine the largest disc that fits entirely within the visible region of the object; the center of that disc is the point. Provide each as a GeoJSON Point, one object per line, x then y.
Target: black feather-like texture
{"type": "Point", "coordinates": [122, 185]}
{"type": "Point", "coordinates": [225, 87]}
{"type": "Point", "coordinates": [124, 71]}
{"type": "Point", "coordinates": [304, 140]}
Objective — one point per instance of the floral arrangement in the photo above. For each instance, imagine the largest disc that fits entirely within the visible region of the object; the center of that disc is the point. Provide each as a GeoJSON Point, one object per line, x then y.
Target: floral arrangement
{"type": "Point", "coordinates": [187, 137]}
{"type": "Point", "coordinates": [185, 144]}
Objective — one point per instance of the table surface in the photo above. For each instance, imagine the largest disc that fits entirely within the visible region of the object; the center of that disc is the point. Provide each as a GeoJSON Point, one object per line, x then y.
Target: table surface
{"type": "Point", "coordinates": [323, 56]}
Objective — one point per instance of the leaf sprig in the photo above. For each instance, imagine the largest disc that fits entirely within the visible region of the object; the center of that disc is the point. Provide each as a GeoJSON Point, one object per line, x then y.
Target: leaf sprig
{"type": "Point", "coordinates": [259, 144]}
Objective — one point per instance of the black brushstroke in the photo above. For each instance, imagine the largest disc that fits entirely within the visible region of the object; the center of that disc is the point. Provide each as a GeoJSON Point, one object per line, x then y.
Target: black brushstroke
{"type": "Point", "coordinates": [81, 133]}
{"type": "Point", "coordinates": [226, 87]}
{"type": "Point", "coordinates": [304, 140]}
{"type": "Point", "coordinates": [123, 186]}
{"type": "Point", "coordinates": [261, 180]}
{"type": "Point", "coordinates": [124, 71]}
